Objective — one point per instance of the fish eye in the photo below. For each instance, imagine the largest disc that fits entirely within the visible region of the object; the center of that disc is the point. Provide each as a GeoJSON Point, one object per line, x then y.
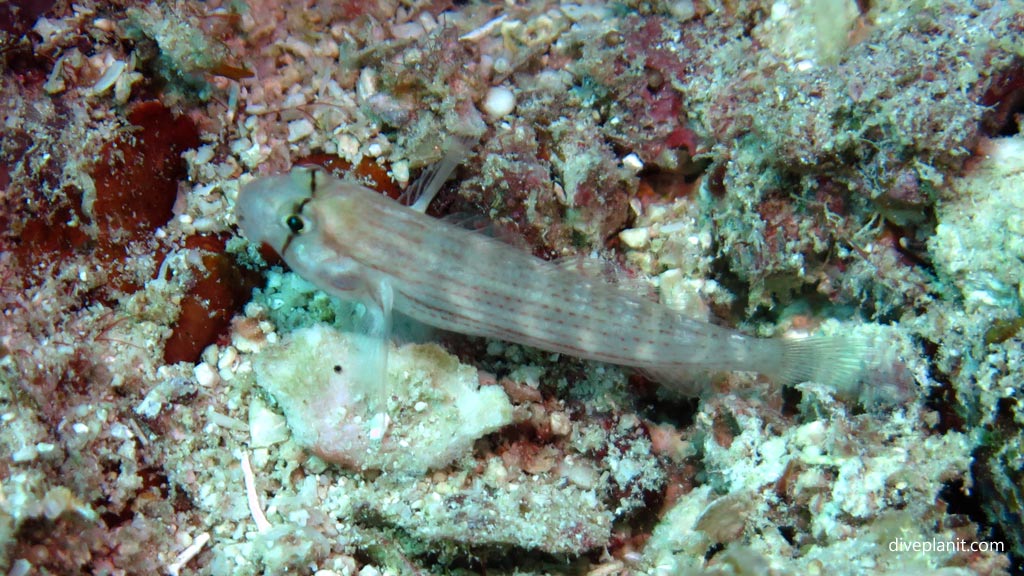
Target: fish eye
{"type": "Point", "coordinates": [294, 223]}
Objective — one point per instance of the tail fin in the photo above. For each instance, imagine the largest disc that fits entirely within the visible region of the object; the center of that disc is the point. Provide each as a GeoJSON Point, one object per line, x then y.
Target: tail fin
{"type": "Point", "coordinates": [863, 364]}
{"type": "Point", "coordinates": [837, 360]}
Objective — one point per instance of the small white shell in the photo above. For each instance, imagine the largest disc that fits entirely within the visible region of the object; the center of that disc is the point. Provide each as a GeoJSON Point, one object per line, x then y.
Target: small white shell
{"type": "Point", "coordinates": [110, 76]}
{"type": "Point", "coordinates": [499, 102]}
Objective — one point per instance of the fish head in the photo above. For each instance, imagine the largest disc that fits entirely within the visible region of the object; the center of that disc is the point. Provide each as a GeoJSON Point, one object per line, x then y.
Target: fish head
{"type": "Point", "coordinates": [271, 210]}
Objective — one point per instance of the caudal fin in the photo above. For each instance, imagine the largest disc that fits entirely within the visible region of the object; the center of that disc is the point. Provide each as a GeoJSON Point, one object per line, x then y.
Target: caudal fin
{"type": "Point", "coordinates": [857, 366]}
{"type": "Point", "coordinates": [836, 360]}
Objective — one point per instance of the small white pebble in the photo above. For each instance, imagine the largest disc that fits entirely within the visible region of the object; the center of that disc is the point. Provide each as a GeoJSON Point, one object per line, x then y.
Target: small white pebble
{"type": "Point", "coordinates": [299, 129]}
{"type": "Point", "coordinates": [635, 237]}
{"type": "Point", "coordinates": [205, 375]}
{"type": "Point", "coordinates": [299, 48]}
{"type": "Point", "coordinates": [24, 454]}
{"type": "Point", "coordinates": [80, 428]}
{"type": "Point", "coordinates": [378, 426]}
{"type": "Point", "coordinates": [400, 171]}
{"type": "Point", "coordinates": [407, 31]}
{"type": "Point", "coordinates": [120, 431]}
{"type": "Point", "coordinates": [295, 100]}
{"type": "Point", "coordinates": [674, 226]}
{"type": "Point", "coordinates": [683, 10]}
{"type": "Point", "coordinates": [254, 155]}
{"type": "Point", "coordinates": [633, 162]}
{"type": "Point", "coordinates": [481, 32]}
{"type": "Point", "coordinates": [501, 65]}
{"type": "Point", "coordinates": [420, 406]}
{"type": "Point", "coordinates": [366, 86]}
{"type": "Point", "coordinates": [579, 473]}
{"type": "Point", "coordinates": [499, 102]}
{"type": "Point", "coordinates": [560, 424]}
{"type": "Point", "coordinates": [227, 358]}
{"type": "Point", "coordinates": [204, 224]}
{"type": "Point", "coordinates": [203, 155]}
{"type": "Point", "coordinates": [428, 22]}
{"type": "Point", "coordinates": [104, 24]}
{"type": "Point", "coordinates": [348, 146]}
{"type": "Point", "coordinates": [266, 427]}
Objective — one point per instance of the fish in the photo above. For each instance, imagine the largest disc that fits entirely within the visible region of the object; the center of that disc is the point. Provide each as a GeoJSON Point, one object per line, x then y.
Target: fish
{"type": "Point", "coordinates": [357, 244]}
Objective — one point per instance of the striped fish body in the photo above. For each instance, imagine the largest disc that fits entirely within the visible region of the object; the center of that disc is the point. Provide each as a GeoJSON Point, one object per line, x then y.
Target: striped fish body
{"type": "Point", "coordinates": [354, 243]}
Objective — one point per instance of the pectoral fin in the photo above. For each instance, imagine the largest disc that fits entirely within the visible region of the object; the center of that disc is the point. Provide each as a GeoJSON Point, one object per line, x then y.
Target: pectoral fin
{"type": "Point", "coordinates": [372, 351]}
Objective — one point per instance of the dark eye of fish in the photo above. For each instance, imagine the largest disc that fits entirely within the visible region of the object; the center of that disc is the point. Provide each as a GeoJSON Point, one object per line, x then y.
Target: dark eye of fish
{"type": "Point", "coordinates": [294, 223]}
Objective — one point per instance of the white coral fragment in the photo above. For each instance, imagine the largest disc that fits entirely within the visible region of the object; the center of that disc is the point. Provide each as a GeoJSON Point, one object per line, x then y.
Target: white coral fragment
{"type": "Point", "coordinates": [436, 406]}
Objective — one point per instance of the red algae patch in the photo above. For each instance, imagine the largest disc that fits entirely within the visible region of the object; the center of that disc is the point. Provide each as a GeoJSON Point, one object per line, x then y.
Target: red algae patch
{"type": "Point", "coordinates": [219, 292]}
{"type": "Point", "coordinates": [138, 173]}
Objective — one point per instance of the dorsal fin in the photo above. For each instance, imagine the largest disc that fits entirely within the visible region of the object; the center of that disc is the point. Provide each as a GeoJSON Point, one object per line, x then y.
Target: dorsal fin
{"type": "Point", "coordinates": [422, 191]}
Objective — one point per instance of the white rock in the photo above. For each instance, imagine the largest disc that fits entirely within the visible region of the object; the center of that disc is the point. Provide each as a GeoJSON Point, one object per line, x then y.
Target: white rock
{"type": "Point", "coordinates": [635, 237]}
{"type": "Point", "coordinates": [299, 129]}
{"type": "Point", "coordinates": [499, 102]}
{"type": "Point", "coordinates": [440, 407]}
{"type": "Point", "coordinates": [366, 86]}
{"type": "Point", "coordinates": [633, 162]}
{"type": "Point", "coordinates": [266, 427]}
{"type": "Point", "coordinates": [205, 375]}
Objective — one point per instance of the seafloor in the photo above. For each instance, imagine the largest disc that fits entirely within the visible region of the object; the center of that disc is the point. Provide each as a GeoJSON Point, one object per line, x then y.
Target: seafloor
{"type": "Point", "coordinates": [785, 168]}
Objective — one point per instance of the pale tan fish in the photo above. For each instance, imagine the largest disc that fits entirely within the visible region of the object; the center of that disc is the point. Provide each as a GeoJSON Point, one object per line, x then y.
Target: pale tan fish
{"type": "Point", "coordinates": [357, 244]}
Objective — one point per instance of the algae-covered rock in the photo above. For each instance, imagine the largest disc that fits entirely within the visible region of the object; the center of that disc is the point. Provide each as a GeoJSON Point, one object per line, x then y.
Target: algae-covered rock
{"type": "Point", "coordinates": [979, 242]}
{"type": "Point", "coordinates": [436, 406]}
